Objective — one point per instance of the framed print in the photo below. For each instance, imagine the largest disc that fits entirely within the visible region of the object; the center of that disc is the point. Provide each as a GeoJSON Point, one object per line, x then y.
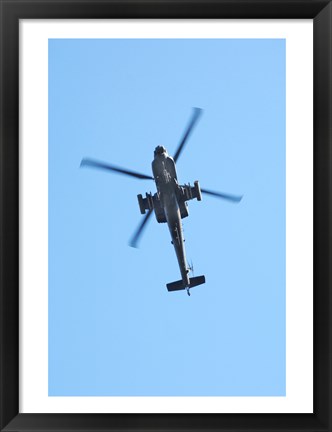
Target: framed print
{"type": "Point", "coordinates": [108, 111]}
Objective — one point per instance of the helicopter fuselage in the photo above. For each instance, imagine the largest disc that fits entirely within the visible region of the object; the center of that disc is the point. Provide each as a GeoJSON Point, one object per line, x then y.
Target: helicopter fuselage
{"type": "Point", "coordinates": [169, 194]}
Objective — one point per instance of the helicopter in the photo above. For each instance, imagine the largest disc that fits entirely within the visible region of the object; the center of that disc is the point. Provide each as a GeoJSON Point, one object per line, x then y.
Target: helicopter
{"type": "Point", "coordinates": [169, 203]}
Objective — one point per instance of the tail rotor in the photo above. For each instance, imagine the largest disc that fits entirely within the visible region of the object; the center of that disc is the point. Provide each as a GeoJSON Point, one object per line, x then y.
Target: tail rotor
{"type": "Point", "coordinates": [191, 268]}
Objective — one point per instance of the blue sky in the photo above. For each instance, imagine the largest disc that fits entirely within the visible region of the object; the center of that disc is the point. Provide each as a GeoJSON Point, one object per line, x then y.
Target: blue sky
{"type": "Point", "coordinates": [114, 330]}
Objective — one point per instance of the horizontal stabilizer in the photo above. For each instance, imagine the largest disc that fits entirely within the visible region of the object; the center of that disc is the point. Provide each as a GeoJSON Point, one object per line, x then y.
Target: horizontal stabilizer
{"type": "Point", "coordinates": [180, 285]}
{"type": "Point", "coordinates": [198, 280]}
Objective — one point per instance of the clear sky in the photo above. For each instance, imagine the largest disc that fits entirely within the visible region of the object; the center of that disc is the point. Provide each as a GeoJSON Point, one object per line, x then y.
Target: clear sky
{"type": "Point", "coordinates": [114, 329]}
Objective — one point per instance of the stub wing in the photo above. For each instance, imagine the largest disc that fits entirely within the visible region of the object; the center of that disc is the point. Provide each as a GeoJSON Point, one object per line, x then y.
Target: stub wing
{"type": "Point", "coordinates": [180, 285]}
{"type": "Point", "coordinates": [191, 192]}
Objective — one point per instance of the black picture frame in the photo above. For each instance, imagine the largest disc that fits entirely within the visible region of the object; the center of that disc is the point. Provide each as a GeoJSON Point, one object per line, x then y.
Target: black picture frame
{"type": "Point", "coordinates": [11, 11]}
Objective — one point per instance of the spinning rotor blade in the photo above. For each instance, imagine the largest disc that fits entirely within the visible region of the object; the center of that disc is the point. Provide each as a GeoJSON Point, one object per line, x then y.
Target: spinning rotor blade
{"type": "Point", "coordinates": [134, 240]}
{"type": "Point", "coordinates": [233, 198]}
{"type": "Point", "coordinates": [96, 164]}
{"type": "Point", "coordinates": [196, 113]}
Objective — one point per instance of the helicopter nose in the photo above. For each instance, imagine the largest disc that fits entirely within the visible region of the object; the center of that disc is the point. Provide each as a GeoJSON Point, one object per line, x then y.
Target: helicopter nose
{"type": "Point", "coordinates": [159, 150]}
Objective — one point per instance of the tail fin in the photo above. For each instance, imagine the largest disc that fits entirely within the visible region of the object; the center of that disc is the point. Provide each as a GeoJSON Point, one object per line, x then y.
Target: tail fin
{"type": "Point", "coordinates": [180, 285]}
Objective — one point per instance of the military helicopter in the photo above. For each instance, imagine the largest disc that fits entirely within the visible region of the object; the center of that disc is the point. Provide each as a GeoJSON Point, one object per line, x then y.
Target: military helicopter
{"type": "Point", "coordinates": [169, 203]}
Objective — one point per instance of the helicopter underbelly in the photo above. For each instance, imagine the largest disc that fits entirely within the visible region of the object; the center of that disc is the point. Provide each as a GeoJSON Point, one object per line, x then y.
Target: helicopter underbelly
{"type": "Point", "coordinates": [171, 207]}
{"type": "Point", "coordinates": [164, 171]}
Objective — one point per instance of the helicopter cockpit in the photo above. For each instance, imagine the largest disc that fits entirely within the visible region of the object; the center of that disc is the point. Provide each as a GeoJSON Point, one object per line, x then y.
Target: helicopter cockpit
{"type": "Point", "coordinates": [159, 150]}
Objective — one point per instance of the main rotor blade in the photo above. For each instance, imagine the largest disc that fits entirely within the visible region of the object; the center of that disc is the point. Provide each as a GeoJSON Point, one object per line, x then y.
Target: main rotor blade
{"type": "Point", "coordinates": [134, 240]}
{"type": "Point", "coordinates": [233, 198]}
{"type": "Point", "coordinates": [97, 164]}
{"type": "Point", "coordinates": [196, 114]}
